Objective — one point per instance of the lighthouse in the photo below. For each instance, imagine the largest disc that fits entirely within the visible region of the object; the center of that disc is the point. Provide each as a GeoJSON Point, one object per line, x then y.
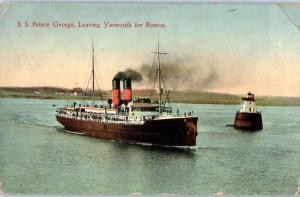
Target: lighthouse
{"type": "Point", "coordinates": [247, 118]}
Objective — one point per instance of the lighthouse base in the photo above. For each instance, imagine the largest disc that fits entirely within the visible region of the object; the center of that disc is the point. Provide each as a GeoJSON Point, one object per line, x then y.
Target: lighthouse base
{"type": "Point", "coordinates": [248, 121]}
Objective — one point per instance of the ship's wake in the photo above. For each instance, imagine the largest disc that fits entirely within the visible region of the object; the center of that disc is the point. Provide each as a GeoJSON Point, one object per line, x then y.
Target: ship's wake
{"type": "Point", "coordinates": [17, 119]}
{"type": "Point", "coordinates": [159, 147]}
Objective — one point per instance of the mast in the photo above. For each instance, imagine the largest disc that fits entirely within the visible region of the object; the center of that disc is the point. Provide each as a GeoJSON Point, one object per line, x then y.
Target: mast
{"type": "Point", "coordinates": [93, 73]}
{"type": "Point", "coordinates": [159, 75]}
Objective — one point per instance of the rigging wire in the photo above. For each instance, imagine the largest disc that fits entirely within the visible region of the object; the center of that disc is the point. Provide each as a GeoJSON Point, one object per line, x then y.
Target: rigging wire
{"type": "Point", "coordinates": [99, 89]}
{"type": "Point", "coordinates": [290, 19]}
{"type": "Point", "coordinates": [185, 99]}
{"type": "Point", "coordinates": [85, 92]}
{"type": "Point", "coordinates": [154, 84]}
{"type": "Point", "coordinates": [152, 71]}
{"type": "Point", "coordinates": [87, 78]}
{"type": "Point", "coordinates": [4, 12]}
{"type": "Point", "coordinates": [95, 75]}
{"type": "Point", "coordinates": [164, 85]}
{"type": "Point", "coordinates": [161, 76]}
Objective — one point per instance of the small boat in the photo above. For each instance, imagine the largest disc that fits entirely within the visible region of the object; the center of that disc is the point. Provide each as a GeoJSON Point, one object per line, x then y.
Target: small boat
{"type": "Point", "coordinates": [248, 118]}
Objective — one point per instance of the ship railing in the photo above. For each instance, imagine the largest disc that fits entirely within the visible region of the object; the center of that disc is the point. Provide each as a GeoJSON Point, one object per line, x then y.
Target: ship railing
{"type": "Point", "coordinates": [185, 114]}
{"type": "Point", "coordinates": [121, 118]}
{"type": "Point", "coordinates": [104, 118]}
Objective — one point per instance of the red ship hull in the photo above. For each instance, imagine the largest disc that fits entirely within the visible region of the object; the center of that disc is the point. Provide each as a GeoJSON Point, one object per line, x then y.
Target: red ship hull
{"type": "Point", "coordinates": [166, 132]}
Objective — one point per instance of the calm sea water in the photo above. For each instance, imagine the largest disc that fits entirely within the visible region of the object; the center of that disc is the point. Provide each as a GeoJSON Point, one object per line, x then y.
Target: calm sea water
{"type": "Point", "coordinates": [37, 157]}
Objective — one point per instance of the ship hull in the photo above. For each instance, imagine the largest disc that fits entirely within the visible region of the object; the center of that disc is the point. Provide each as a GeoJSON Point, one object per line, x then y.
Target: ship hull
{"type": "Point", "coordinates": [248, 121]}
{"type": "Point", "coordinates": [168, 132]}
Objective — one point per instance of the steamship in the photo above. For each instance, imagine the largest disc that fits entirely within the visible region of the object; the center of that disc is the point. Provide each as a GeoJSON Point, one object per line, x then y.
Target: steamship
{"type": "Point", "coordinates": [123, 119]}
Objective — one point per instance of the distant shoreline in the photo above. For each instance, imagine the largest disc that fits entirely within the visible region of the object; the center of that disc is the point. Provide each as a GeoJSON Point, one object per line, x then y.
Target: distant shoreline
{"type": "Point", "coordinates": [175, 96]}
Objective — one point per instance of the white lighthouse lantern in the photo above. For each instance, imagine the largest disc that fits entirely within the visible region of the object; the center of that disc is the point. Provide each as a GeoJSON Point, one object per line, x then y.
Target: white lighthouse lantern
{"type": "Point", "coordinates": [248, 104]}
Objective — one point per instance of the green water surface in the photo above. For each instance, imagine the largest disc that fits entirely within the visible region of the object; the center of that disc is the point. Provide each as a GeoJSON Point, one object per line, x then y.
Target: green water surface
{"type": "Point", "coordinates": [37, 157]}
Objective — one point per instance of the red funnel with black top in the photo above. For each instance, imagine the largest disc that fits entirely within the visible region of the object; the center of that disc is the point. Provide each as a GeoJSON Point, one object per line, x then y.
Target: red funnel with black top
{"type": "Point", "coordinates": [116, 91]}
{"type": "Point", "coordinates": [127, 92]}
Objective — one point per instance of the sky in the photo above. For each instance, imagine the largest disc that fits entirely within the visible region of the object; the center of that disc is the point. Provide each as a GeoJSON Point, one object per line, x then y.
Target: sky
{"type": "Point", "coordinates": [229, 48]}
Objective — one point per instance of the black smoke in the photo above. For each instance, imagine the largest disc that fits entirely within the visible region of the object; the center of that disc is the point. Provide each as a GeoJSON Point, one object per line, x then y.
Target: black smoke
{"type": "Point", "coordinates": [129, 73]}
{"type": "Point", "coordinates": [183, 74]}
{"type": "Point", "coordinates": [188, 72]}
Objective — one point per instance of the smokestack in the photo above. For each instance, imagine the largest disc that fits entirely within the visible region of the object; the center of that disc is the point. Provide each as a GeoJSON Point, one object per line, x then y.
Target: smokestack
{"type": "Point", "coordinates": [116, 92]}
{"type": "Point", "coordinates": [127, 92]}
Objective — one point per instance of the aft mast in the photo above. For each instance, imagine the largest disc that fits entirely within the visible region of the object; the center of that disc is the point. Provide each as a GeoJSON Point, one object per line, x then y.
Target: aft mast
{"type": "Point", "coordinates": [159, 75]}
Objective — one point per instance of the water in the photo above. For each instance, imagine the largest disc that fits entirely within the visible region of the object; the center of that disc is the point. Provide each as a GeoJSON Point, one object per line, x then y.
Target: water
{"type": "Point", "coordinates": [37, 157]}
